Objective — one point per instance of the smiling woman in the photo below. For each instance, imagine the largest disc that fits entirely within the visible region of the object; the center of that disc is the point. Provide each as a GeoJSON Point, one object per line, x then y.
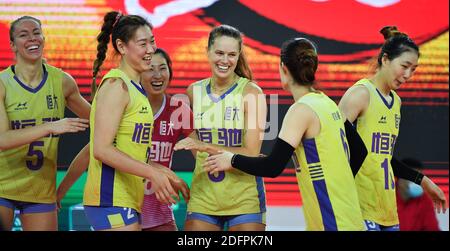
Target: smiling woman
{"type": "Point", "coordinates": [173, 119]}
{"type": "Point", "coordinates": [226, 108]}
{"type": "Point", "coordinates": [121, 125]}
{"type": "Point", "coordinates": [373, 105]}
{"type": "Point", "coordinates": [33, 96]}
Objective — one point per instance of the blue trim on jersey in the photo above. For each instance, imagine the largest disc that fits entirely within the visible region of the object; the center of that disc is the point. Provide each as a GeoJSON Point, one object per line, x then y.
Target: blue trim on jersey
{"type": "Point", "coordinates": [28, 88]}
{"type": "Point", "coordinates": [261, 193]}
{"type": "Point", "coordinates": [326, 209]}
{"type": "Point", "coordinates": [107, 186]}
{"type": "Point", "coordinates": [28, 207]}
{"type": "Point", "coordinates": [389, 106]}
{"type": "Point", "coordinates": [139, 88]}
{"type": "Point", "coordinates": [311, 153]}
{"type": "Point", "coordinates": [214, 99]}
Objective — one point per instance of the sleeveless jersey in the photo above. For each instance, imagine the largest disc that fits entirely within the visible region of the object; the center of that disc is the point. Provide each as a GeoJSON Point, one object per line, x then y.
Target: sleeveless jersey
{"type": "Point", "coordinates": [106, 186]}
{"type": "Point", "coordinates": [330, 199]}
{"type": "Point", "coordinates": [173, 119]}
{"type": "Point", "coordinates": [378, 127]}
{"type": "Point", "coordinates": [220, 121]}
{"type": "Point", "coordinates": [28, 172]}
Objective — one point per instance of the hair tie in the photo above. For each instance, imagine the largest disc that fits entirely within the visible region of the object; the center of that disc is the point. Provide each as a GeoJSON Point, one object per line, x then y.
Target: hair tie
{"type": "Point", "coordinates": [119, 15]}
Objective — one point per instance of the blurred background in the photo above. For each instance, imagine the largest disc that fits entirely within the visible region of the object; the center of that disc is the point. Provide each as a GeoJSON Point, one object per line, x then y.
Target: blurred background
{"type": "Point", "coordinates": [348, 39]}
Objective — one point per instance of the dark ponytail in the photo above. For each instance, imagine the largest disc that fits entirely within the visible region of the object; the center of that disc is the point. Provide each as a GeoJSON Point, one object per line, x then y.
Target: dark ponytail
{"type": "Point", "coordinates": [102, 46]}
{"type": "Point", "coordinates": [395, 44]}
{"type": "Point", "coordinates": [115, 26]}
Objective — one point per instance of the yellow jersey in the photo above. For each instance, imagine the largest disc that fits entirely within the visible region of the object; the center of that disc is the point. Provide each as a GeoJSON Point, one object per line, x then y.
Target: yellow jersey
{"type": "Point", "coordinates": [106, 186]}
{"type": "Point", "coordinates": [378, 127]}
{"type": "Point", "coordinates": [220, 121]}
{"type": "Point", "coordinates": [28, 172]}
{"type": "Point", "coordinates": [330, 199]}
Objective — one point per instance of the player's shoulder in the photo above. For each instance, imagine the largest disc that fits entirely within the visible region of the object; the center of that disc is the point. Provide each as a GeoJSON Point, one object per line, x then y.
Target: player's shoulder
{"type": "Point", "coordinates": [252, 87]}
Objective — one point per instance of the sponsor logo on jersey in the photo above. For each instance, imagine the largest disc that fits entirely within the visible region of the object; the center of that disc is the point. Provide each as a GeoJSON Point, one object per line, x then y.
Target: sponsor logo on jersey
{"type": "Point", "coordinates": [21, 106]}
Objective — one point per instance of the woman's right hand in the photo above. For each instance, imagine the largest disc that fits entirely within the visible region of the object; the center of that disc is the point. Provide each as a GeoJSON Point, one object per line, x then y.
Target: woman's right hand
{"type": "Point", "coordinates": [68, 125]}
{"type": "Point", "coordinates": [218, 162]}
{"type": "Point", "coordinates": [196, 145]}
{"type": "Point", "coordinates": [162, 186]}
{"type": "Point", "coordinates": [190, 144]}
{"type": "Point", "coordinates": [178, 184]}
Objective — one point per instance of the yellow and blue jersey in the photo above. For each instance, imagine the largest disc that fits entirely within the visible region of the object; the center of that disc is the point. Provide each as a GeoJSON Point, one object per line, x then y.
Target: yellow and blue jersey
{"type": "Point", "coordinates": [28, 172]}
{"type": "Point", "coordinates": [106, 186]}
{"type": "Point", "coordinates": [325, 179]}
{"type": "Point", "coordinates": [378, 127]}
{"type": "Point", "coordinates": [220, 121]}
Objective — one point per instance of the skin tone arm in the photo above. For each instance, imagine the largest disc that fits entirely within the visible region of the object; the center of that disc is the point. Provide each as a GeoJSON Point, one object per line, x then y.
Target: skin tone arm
{"type": "Point", "coordinates": [300, 121]}
{"type": "Point", "coordinates": [75, 102]}
{"type": "Point", "coordinates": [353, 104]}
{"type": "Point", "coordinates": [14, 138]}
{"type": "Point", "coordinates": [76, 169]}
{"type": "Point", "coordinates": [436, 194]}
{"type": "Point", "coordinates": [81, 163]}
{"type": "Point", "coordinates": [178, 184]}
{"type": "Point", "coordinates": [254, 111]}
{"type": "Point", "coordinates": [114, 93]}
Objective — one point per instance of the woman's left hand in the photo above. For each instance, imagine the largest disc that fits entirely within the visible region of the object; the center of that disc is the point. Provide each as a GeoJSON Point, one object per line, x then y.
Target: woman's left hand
{"type": "Point", "coordinates": [436, 194]}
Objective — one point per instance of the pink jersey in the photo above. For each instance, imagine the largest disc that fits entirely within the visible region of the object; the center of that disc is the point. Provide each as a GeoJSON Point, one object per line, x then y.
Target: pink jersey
{"type": "Point", "coordinates": [173, 119]}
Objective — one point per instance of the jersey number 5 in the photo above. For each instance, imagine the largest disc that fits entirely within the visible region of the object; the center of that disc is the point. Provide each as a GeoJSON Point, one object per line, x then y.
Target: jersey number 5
{"type": "Point", "coordinates": [39, 154]}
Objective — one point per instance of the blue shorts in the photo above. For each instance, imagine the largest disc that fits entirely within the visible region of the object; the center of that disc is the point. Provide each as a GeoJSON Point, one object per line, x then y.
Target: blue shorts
{"type": "Point", "coordinates": [102, 218]}
{"type": "Point", "coordinates": [372, 226]}
{"type": "Point", "coordinates": [28, 207]}
{"type": "Point", "coordinates": [230, 220]}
